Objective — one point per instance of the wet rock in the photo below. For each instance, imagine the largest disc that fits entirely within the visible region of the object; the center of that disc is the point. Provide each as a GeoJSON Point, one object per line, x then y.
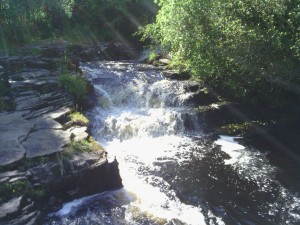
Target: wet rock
{"type": "Point", "coordinates": [10, 207]}
{"type": "Point", "coordinates": [83, 53]}
{"type": "Point", "coordinates": [117, 51]}
{"type": "Point", "coordinates": [87, 180]}
{"type": "Point", "coordinates": [45, 142]}
{"type": "Point", "coordinates": [189, 124]}
{"type": "Point", "coordinates": [164, 61]}
{"type": "Point", "coordinates": [202, 97]}
{"type": "Point", "coordinates": [83, 175]}
{"type": "Point", "coordinates": [175, 75]}
{"type": "Point", "coordinates": [28, 219]}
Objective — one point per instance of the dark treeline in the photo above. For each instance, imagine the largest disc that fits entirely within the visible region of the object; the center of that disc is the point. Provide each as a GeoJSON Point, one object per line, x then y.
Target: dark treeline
{"type": "Point", "coordinates": [22, 21]}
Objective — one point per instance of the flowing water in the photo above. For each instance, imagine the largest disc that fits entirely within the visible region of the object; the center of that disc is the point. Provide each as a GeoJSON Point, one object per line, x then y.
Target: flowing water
{"type": "Point", "coordinates": [172, 172]}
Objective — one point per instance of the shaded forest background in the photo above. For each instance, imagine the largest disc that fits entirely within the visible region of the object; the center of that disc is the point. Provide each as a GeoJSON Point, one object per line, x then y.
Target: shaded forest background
{"type": "Point", "coordinates": [24, 21]}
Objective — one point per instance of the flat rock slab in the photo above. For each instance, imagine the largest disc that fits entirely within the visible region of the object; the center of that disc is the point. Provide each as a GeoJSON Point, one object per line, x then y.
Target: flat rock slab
{"type": "Point", "coordinates": [11, 174]}
{"type": "Point", "coordinates": [27, 102]}
{"type": "Point", "coordinates": [78, 133]}
{"type": "Point", "coordinates": [13, 129]}
{"type": "Point", "coordinates": [29, 219]}
{"type": "Point", "coordinates": [58, 113]}
{"type": "Point", "coordinates": [11, 117]}
{"type": "Point", "coordinates": [11, 153]}
{"type": "Point", "coordinates": [10, 207]}
{"type": "Point", "coordinates": [45, 142]}
{"type": "Point", "coordinates": [31, 74]}
{"type": "Point", "coordinates": [46, 123]}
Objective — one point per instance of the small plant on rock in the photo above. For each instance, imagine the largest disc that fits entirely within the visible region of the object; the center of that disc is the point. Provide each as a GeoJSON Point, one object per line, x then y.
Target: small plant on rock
{"type": "Point", "coordinates": [78, 118]}
{"type": "Point", "coordinates": [75, 84]}
{"type": "Point", "coordinates": [88, 145]}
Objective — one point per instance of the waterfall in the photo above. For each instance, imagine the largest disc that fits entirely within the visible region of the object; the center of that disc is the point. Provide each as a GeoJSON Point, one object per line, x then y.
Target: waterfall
{"type": "Point", "coordinates": [172, 172]}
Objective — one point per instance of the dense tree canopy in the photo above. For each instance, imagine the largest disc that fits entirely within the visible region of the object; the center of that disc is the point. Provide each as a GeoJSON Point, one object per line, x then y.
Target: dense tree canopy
{"type": "Point", "coordinates": [243, 47]}
{"type": "Point", "coordinates": [24, 20]}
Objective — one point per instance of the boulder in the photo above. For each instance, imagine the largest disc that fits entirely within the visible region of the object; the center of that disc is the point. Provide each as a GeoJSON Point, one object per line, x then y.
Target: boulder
{"type": "Point", "coordinates": [175, 75]}
{"type": "Point", "coordinates": [83, 175]}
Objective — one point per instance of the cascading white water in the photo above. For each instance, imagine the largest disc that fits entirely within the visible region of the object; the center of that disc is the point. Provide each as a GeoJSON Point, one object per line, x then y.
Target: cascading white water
{"type": "Point", "coordinates": [172, 173]}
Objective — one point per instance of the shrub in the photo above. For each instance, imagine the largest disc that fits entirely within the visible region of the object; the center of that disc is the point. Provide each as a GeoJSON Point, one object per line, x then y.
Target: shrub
{"type": "Point", "coordinates": [75, 84]}
{"type": "Point", "coordinates": [152, 57]}
{"type": "Point", "coordinates": [243, 48]}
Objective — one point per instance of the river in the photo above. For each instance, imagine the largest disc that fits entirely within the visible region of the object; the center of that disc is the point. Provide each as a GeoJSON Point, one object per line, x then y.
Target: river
{"type": "Point", "coordinates": [173, 172]}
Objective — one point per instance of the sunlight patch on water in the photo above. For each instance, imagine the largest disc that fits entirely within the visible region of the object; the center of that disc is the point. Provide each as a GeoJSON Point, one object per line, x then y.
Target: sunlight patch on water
{"type": "Point", "coordinates": [158, 199]}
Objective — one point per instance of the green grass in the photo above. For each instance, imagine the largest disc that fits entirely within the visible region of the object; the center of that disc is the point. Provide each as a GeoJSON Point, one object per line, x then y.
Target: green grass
{"type": "Point", "coordinates": [75, 84]}
{"type": "Point", "coordinates": [10, 190]}
{"type": "Point", "coordinates": [243, 127]}
{"type": "Point", "coordinates": [6, 103]}
{"type": "Point", "coordinates": [152, 57]}
{"type": "Point", "coordinates": [77, 147]}
{"type": "Point", "coordinates": [30, 163]}
{"type": "Point", "coordinates": [78, 118]}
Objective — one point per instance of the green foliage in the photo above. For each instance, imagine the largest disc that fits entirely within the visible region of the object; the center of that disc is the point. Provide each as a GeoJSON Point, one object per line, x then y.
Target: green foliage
{"type": "Point", "coordinates": [242, 128]}
{"type": "Point", "coordinates": [78, 119]}
{"type": "Point", "coordinates": [30, 163]}
{"type": "Point", "coordinates": [88, 145]}
{"type": "Point", "coordinates": [243, 48]}
{"type": "Point", "coordinates": [152, 57]}
{"type": "Point", "coordinates": [75, 84]}
{"type": "Point", "coordinates": [23, 21]}
{"type": "Point", "coordinates": [6, 103]}
{"type": "Point", "coordinates": [9, 190]}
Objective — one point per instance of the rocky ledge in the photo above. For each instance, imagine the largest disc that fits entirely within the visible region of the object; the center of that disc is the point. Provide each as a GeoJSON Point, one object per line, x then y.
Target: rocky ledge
{"type": "Point", "coordinates": [41, 161]}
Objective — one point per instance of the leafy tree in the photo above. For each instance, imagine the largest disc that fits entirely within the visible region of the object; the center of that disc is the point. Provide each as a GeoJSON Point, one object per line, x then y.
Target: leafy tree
{"type": "Point", "coordinates": [241, 47]}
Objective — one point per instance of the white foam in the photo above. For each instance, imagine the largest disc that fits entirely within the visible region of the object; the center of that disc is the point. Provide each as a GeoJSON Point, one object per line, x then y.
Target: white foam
{"type": "Point", "coordinates": [231, 147]}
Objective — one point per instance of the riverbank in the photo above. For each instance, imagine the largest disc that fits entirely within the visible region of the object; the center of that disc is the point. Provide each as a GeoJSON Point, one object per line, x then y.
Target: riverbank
{"type": "Point", "coordinates": [47, 156]}
{"type": "Point", "coordinates": [259, 125]}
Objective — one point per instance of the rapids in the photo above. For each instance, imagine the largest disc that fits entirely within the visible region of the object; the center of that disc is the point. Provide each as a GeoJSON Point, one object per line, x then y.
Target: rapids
{"type": "Point", "coordinates": [173, 172]}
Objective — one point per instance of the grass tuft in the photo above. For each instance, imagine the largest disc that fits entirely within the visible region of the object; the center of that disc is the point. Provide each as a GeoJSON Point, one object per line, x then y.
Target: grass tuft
{"type": "Point", "coordinates": [78, 118]}
{"type": "Point", "coordinates": [75, 84]}
{"type": "Point", "coordinates": [88, 145]}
